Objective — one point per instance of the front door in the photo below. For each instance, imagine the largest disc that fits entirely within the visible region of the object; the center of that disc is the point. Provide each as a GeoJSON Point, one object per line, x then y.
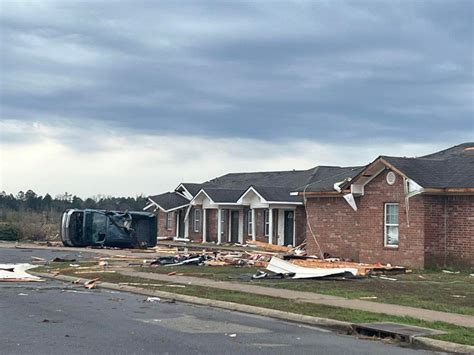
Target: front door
{"type": "Point", "coordinates": [180, 217]}
{"type": "Point", "coordinates": [289, 227]}
{"type": "Point", "coordinates": [234, 226]}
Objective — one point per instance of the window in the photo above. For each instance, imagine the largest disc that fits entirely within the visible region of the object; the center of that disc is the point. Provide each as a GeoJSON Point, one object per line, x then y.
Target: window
{"type": "Point", "coordinates": [249, 222]}
{"type": "Point", "coordinates": [197, 220]}
{"type": "Point", "coordinates": [267, 222]}
{"type": "Point", "coordinates": [222, 222]}
{"type": "Point", "coordinates": [169, 220]}
{"type": "Point", "coordinates": [391, 225]}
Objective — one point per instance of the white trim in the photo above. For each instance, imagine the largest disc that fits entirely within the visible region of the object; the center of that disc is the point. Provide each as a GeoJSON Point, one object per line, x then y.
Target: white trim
{"type": "Point", "coordinates": [197, 220]}
{"type": "Point", "coordinates": [263, 200]}
{"type": "Point", "coordinates": [270, 226]}
{"type": "Point", "coordinates": [249, 222]}
{"type": "Point", "coordinates": [149, 205]}
{"type": "Point", "coordinates": [169, 224]}
{"type": "Point", "coordinates": [281, 226]}
{"type": "Point", "coordinates": [385, 225]}
{"type": "Point", "coordinates": [219, 226]}
{"type": "Point", "coordinates": [254, 230]}
{"type": "Point", "coordinates": [187, 194]}
{"type": "Point", "coordinates": [266, 212]}
{"type": "Point", "coordinates": [204, 225]}
{"type": "Point", "coordinates": [241, 226]}
{"type": "Point", "coordinates": [229, 227]}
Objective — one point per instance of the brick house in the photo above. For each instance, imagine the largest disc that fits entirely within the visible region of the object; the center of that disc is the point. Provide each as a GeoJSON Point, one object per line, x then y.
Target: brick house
{"type": "Point", "coordinates": [235, 207]}
{"type": "Point", "coordinates": [407, 211]}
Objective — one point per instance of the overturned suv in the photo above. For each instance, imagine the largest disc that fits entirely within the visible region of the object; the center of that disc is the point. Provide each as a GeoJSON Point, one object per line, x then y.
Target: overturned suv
{"type": "Point", "coordinates": [80, 228]}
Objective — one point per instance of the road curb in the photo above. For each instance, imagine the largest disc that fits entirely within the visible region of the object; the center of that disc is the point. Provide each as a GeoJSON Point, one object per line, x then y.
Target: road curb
{"type": "Point", "coordinates": [339, 326]}
{"type": "Point", "coordinates": [441, 345]}
{"type": "Point", "coordinates": [343, 327]}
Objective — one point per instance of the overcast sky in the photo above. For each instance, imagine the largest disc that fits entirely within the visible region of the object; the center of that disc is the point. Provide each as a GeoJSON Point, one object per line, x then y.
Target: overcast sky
{"type": "Point", "coordinates": [130, 97]}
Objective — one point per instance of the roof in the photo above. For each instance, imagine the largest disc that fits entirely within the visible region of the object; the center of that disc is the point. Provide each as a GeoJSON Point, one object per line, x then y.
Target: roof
{"type": "Point", "coordinates": [192, 188]}
{"type": "Point", "coordinates": [224, 195]}
{"type": "Point", "coordinates": [290, 179]}
{"type": "Point", "coordinates": [449, 168]}
{"type": "Point", "coordinates": [323, 178]}
{"type": "Point", "coordinates": [169, 200]}
{"type": "Point", "coordinates": [277, 194]}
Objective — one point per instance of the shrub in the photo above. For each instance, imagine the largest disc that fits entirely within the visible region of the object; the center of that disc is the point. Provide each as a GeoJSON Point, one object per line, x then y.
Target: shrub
{"type": "Point", "coordinates": [9, 232]}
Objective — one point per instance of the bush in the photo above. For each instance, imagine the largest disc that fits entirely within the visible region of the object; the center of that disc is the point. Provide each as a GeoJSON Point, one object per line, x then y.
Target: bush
{"type": "Point", "coordinates": [9, 232]}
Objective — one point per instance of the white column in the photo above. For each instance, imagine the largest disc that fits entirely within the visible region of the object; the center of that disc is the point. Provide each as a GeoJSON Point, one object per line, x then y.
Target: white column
{"type": "Point", "coordinates": [241, 226]}
{"type": "Point", "coordinates": [219, 226]}
{"type": "Point", "coordinates": [229, 229]}
{"type": "Point", "coordinates": [186, 226]}
{"type": "Point", "coordinates": [204, 226]}
{"type": "Point", "coordinates": [270, 225]}
{"type": "Point", "coordinates": [281, 226]}
{"type": "Point", "coordinates": [254, 229]}
{"type": "Point", "coordinates": [177, 223]}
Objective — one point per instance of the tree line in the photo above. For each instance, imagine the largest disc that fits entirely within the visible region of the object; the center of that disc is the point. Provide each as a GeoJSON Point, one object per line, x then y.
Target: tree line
{"type": "Point", "coordinates": [30, 216]}
{"type": "Point", "coordinates": [29, 201]}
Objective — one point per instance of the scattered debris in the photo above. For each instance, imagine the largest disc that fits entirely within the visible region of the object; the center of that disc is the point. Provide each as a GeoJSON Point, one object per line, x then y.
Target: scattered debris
{"type": "Point", "coordinates": [152, 299]}
{"type": "Point", "coordinates": [368, 298]}
{"type": "Point", "coordinates": [17, 273]}
{"type": "Point", "coordinates": [232, 335]}
{"type": "Point", "coordinates": [280, 266]}
{"type": "Point", "coordinates": [387, 278]}
{"type": "Point", "coordinates": [459, 296]}
{"type": "Point", "coordinates": [91, 283]}
{"type": "Point", "coordinates": [63, 260]}
{"type": "Point", "coordinates": [38, 259]}
{"type": "Point", "coordinates": [78, 281]}
{"type": "Point", "coordinates": [451, 272]}
{"type": "Point", "coordinates": [22, 294]}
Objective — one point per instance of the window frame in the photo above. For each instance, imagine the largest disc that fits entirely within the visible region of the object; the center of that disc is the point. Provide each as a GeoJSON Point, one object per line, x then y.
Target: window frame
{"type": "Point", "coordinates": [386, 225]}
{"type": "Point", "coordinates": [266, 222]}
{"type": "Point", "coordinates": [249, 222]}
{"type": "Point", "coordinates": [197, 220]}
{"type": "Point", "coordinates": [169, 220]}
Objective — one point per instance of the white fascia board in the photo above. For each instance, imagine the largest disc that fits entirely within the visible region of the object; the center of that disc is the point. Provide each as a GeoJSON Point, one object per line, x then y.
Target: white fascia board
{"type": "Point", "coordinates": [284, 203]}
{"type": "Point", "coordinates": [202, 191]}
{"type": "Point", "coordinates": [149, 205]}
{"type": "Point", "coordinates": [186, 194]}
{"type": "Point", "coordinates": [175, 208]}
{"type": "Point", "coordinates": [254, 191]}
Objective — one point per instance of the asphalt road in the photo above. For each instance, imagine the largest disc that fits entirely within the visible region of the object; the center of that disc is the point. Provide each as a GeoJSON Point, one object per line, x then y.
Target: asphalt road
{"type": "Point", "coordinates": [59, 318]}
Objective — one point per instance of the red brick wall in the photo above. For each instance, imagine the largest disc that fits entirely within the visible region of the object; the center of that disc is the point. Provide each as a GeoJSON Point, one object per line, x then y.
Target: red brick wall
{"type": "Point", "coordinates": [434, 230]}
{"type": "Point", "coordinates": [460, 230]}
{"type": "Point", "coordinates": [359, 235]}
{"type": "Point", "coordinates": [161, 221]}
{"type": "Point", "coordinates": [211, 225]}
{"type": "Point", "coordinates": [260, 225]}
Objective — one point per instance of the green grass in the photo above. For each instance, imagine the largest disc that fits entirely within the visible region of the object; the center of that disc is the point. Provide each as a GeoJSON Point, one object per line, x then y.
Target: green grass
{"type": "Point", "coordinates": [429, 289]}
{"type": "Point", "coordinates": [457, 334]}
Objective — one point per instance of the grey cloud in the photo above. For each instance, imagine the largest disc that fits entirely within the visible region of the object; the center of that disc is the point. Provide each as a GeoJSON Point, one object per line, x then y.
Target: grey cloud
{"type": "Point", "coordinates": [328, 71]}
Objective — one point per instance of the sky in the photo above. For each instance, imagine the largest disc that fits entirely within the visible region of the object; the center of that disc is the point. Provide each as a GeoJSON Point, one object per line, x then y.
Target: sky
{"type": "Point", "coordinates": [133, 97]}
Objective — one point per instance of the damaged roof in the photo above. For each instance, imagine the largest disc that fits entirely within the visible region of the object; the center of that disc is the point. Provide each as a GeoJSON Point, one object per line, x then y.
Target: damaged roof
{"type": "Point", "coordinates": [169, 200]}
{"type": "Point", "coordinates": [224, 195]}
{"type": "Point", "coordinates": [323, 178]}
{"type": "Point", "coordinates": [192, 188]}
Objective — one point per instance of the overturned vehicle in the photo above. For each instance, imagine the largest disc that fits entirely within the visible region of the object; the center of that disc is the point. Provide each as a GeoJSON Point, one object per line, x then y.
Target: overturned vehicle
{"type": "Point", "coordinates": [80, 228]}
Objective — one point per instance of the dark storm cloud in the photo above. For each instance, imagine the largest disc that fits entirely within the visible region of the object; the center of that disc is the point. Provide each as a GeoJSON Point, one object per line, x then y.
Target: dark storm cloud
{"type": "Point", "coordinates": [328, 71]}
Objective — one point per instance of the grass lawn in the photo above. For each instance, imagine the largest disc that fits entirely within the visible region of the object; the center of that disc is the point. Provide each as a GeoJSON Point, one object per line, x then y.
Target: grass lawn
{"type": "Point", "coordinates": [458, 334]}
{"type": "Point", "coordinates": [429, 289]}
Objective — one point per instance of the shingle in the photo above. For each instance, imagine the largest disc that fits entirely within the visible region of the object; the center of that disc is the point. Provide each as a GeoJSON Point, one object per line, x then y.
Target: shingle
{"type": "Point", "coordinates": [323, 178]}
{"type": "Point", "coordinates": [224, 195]}
{"type": "Point", "coordinates": [193, 188]}
{"type": "Point", "coordinates": [169, 200]}
{"type": "Point", "coordinates": [277, 194]}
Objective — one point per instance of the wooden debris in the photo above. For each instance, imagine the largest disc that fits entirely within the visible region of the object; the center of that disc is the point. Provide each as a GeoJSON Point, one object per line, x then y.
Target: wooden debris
{"type": "Point", "coordinates": [267, 246]}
